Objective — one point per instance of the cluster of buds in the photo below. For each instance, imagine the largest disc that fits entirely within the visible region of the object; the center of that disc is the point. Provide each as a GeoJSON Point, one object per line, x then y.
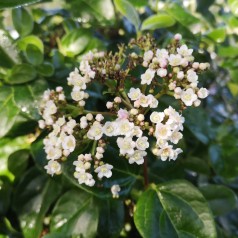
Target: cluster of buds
{"type": "Point", "coordinates": [133, 119]}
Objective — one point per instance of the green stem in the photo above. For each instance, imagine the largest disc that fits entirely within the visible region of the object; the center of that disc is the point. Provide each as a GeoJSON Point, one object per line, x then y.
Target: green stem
{"type": "Point", "coordinates": [94, 147]}
{"type": "Point", "coordinates": [126, 100]}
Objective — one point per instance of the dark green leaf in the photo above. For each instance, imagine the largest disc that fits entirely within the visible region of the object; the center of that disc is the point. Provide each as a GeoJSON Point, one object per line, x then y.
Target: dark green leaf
{"type": "Point", "coordinates": [46, 69]}
{"type": "Point", "coordinates": [127, 10]}
{"type": "Point", "coordinates": [146, 217]}
{"type": "Point", "coordinates": [22, 73]}
{"type": "Point", "coordinates": [111, 218]}
{"type": "Point", "coordinates": [181, 15]}
{"type": "Point", "coordinates": [5, 194]}
{"type": "Point", "coordinates": [221, 199]}
{"type": "Point", "coordinates": [34, 54]}
{"type": "Point", "coordinates": [30, 40]}
{"type": "Point", "coordinates": [16, 3]}
{"type": "Point", "coordinates": [166, 227]}
{"type": "Point", "coordinates": [187, 209]}
{"type": "Point", "coordinates": [33, 197]}
{"type": "Point", "coordinates": [75, 214]}
{"type": "Point", "coordinates": [22, 21]}
{"type": "Point", "coordinates": [18, 161]}
{"type": "Point", "coordinates": [157, 21]}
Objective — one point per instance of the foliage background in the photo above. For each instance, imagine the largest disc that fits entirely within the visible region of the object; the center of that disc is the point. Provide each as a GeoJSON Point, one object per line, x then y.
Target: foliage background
{"type": "Point", "coordinates": [43, 42]}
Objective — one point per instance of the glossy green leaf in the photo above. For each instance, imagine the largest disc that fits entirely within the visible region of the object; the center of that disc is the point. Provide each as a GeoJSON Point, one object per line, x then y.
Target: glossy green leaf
{"type": "Point", "coordinates": [5, 58]}
{"type": "Point", "coordinates": [127, 10]}
{"type": "Point", "coordinates": [18, 162]}
{"type": "Point", "coordinates": [233, 88]}
{"type": "Point", "coordinates": [157, 21]}
{"type": "Point", "coordinates": [22, 73]}
{"type": "Point", "coordinates": [16, 3]}
{"type": "Point", "coordinates": [181, 15]}
{"type": "Point", "coordinates": [8, 110]}
{"type": "Point", "coordinates": [166, 228]}
{"type": "Point", "coordinates": [22, 43]}
{"type": "Point", "coordinates": [146, 217]}
{"type": "Point", "coordinates": [34, 55]}
{"type": "Point", "coordinates": [46, 69]}
{"type": "Point", "coordinates": [227, 51]}
{"type": "Point", "coordinates": [187, 209]}
{"type": "Point", "coordinates": [75, 42]}
{"type": "Point", "coordinates": [233, 4]}
{"type": "Point", "coordinates": [221, 199]}
{"type": "Point", "coordinates": [111, 218]}
{"type": "Point", "coordinates": [22, 21]}
{"type": "Point", "coordinates": [32, 199]}
{"type": "Point", "coordinates": [28, 96]}
{"type": "Point", "coordinates": [75, 214]}
{"type": "Point", "coordinates": [218, 35]}
{"type": "Point", "coordinates": [5, 195]}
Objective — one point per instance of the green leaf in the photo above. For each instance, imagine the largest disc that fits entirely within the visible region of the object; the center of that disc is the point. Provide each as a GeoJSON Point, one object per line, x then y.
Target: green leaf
{"type": "Point", "coordinates": [166, 227]}
{"type": "Point", "coordinates": [218, 35]}
{"type": "Point", "coordinates": [227, 51]}
{"type": "Point", "coordinates": [22, 73]}
{"type": "Point", "coordinates": [30, 40]}
{"type": "Point", "coordinates": [111, 218]}
{"type": "Point", "coordinates": [181, 15]}
{"type": "Point", "coordinates": [5, 195]}
{"type": "Point", "coordinates": [157, 21]}
{"type": "Point", "coordinates": [233, 88]}
{"type": "Point", "coordinates": [18, 162]}
{"type": "Point", "coordinates": [146, 217]}
{"type": "Point", "coordinates": [22, 21]}
{"type": "Point", "coordinates": [187, 209]}
{"type": "Point", "coordinates": [16, 3]}
{"type": "Point", "coordinates": [8, 110]}
{"type": "Point", "coordinates": [75, 214]}
{"type": "Point", "coordinates": [127, 10]}
{"type": "Point", "coordinates": [28, 96]}
{"type": "Point", "coordinates": [34, 55]}
{"type": "Point", "coordinates": [46, 69]}
{"type": "Point", "coordinates": [75, 42]}
{"type": "Point", "coordinates": [32, 199]}
{"type": "Point", "coordinates": [233, 4]}
{"type": "Point", "coordinates": [221, 199]}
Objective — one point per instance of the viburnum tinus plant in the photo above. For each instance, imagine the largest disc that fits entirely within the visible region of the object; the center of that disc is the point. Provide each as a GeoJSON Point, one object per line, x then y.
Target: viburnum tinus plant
{"type": "Point", "coordinates": [131, 118]}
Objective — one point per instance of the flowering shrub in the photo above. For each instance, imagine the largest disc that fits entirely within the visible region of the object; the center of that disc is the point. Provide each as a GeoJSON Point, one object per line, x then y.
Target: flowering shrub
{"type": "Point", "coordinates": [132, 117]}
{"type": "Point", "coordinates": [114, 125]}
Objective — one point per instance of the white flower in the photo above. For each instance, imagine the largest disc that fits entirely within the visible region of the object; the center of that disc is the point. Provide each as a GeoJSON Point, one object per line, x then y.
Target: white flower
{"type": "Point", "coordinates": [109, 128]}
{"type": "Point", "coordinates": [50, 108]}
{"type": "Point", "coordinates": [180, 75]}
{"type": "Point", "coordinates": [142, 143]}
{"type": "Point", "coordinates": [147, 77]}
{"type": "Point", "coordinates": [115, 189]}
{"type": "Point", "coordinates": [197, 103]}
{"type": "Point", "coordinates": [41, 124]}
{"type": "Point", "coordinates": [153, 101]}
{"type": "Point", "coordinates": [53, 167]}
{"type": "Point", "coordinates": [137, 157]}
{"type": "Point", "coordinates": [192, 76]}
{"type": "Point", "coordinates": [53, 153]}
{"type": "Point", "coordinates": [126, 145]}
{"type": "Point", "coordinates": [157, 117]}
{"type": "Point", "coordinates": [178, 37]}
{"type": "Point", "coordinates": [99, 117]}
{"type": "Point", "coordinates": [137, 131]}
{"type": "Point", "coordinates": [84, 177]}
{"type": "Point", "coordinates": [162, 72]}
{"type": "Point", "coordinates": [144, 101]}
{"type": "Point", "coordinates": [162, 53]}
{"type": "Point", "coordinates": [95, 132]}
{"type": "Point", "coordinates": [148, 55]}
{"type": "Point", "coordinates": [184, 51]}
{"type": "Point", "coordinates": [122, 114]}
{"type": "Point", "coordinates": [167, 152]}
{"type": "Point", "coordinates": [202, 93]}
{"type": "Point", "coordinates": [61, 121]}
{"type": "Point", "coordinates": [81, 166]}
{"type": "Point", "coordinates": [69, 143]}
{"type": "Point", "coordinates": [104, 171]}
{"type": "Point", "coordinates": [134, 93]}
{"type": "Point", "coordinates": [162, 131]}
{"type": "Point", "coordinates": [109, 105]}
{"type": "Point", "coordinates": [125, 127]}
{"type": "Point", "coordinates": [175, 60]}
{"type": "Point", "coordinates": [188, 97]}
{"type": "Point", "coordinates": [176, 137]}
{"type": "Point", "coordinates": [77, 95]}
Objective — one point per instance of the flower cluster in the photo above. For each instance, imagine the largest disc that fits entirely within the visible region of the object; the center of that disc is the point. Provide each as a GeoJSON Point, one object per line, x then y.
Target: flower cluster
{"type": "Point", "coordinates": [132, 119]}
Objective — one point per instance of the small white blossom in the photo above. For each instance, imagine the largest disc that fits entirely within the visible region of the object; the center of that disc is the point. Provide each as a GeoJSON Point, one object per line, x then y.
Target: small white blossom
{"type": "Point", "coordinates": [184, 51]}
{"type": "Point", "coordinates": [162, 131]}
{"type": "Point", "coordinates": [137, 157]}
{"type": "Point", "coordinates": [202, 93]}
{"type": "Point", "coordinates": [84, 177]}
{"type": "Point", "coordinates": [148, 55]}
{"type": "Point", "coordinates": [175, 60]}
{"type": "Point", "coordinates": [162, 72]}
{"type": "Point", "coordinates": [115, 189]}
{"type": "Point", "coordinates": [69, 143]}
{"type": "Point", "coordinates": [142, 143]}
{"type": "Point", "coordinates": [125, 127]}
{"type": "Point", "coordinates": [53, 167]}
{"type": "Point", "coordinates": [110, 129]}
{"type": "Point", "coordinates": [95, 132]}
{"type": "Point", "coordinates": [147, 77]}
{"type": "Point", "coordinates": [188, 97]}
{"type": "Point", "coordinates": [126, 145]}
{"type": "Point", "coordinates": [104, 171]}
{"type": "Point", "coordinates": [156, 117]}
{"type": "Point", "coordinates": [134, 93]}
